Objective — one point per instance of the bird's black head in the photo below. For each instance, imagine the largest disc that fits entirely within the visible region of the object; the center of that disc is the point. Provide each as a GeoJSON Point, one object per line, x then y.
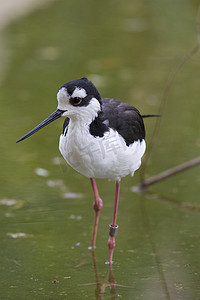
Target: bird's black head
{"type": "Point", "coordinates": [82, 87]}
{"type": "Point", "coordinates": [79, 99]}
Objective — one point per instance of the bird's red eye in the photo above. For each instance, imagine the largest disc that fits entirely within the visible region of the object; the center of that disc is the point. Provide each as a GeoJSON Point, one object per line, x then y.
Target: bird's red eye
{"type": "Point", "coordinates": [76, 101]}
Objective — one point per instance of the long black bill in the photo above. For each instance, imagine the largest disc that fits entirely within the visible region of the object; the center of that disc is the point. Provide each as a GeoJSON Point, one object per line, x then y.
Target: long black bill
{"type": "Point", "coordinates": [55, 115]}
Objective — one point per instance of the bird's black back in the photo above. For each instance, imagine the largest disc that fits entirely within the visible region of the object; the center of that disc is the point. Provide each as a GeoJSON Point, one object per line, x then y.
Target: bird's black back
{"type": "Point", "coordinates": [119, 116]}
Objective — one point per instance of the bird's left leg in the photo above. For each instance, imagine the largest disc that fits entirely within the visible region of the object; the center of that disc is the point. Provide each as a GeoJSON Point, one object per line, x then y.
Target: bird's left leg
{"type": "Point", "coordinates": [97, 206]}
{"type": "Point", "coordinates": [113, 226]}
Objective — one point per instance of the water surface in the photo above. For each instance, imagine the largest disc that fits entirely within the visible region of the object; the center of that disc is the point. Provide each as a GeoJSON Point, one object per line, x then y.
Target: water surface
{"type": "Point", "coordinates": [128, 49]}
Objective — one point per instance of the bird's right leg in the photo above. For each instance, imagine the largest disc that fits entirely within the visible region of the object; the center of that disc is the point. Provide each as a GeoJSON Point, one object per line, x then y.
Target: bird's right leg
{"type": "Point", "coordinates": [113, 226]}
{"type": "Point", "coordinates": [97, 206]}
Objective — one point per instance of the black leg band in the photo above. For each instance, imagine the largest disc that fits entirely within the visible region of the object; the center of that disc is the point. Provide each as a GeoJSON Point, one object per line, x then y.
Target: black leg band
{"type": "Point", "coordinates": [113, 230]}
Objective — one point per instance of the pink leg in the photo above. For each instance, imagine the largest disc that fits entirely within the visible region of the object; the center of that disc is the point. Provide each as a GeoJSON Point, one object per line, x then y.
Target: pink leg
{"type": "Point", "coordinates": [113, 226]}
{"type": "Point", "coordinates": [97, 205]}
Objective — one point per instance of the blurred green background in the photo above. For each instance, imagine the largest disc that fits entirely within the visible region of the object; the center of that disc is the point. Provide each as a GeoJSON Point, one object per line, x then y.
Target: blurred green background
{"type": "Point", "coordinates": [128, 49]}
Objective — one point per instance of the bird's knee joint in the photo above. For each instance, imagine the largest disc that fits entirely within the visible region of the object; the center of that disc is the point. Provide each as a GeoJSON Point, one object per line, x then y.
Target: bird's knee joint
{"type": "Point", "coordinates": [97, 206]}
{"type": "Point", "coordinates": [111, 243]}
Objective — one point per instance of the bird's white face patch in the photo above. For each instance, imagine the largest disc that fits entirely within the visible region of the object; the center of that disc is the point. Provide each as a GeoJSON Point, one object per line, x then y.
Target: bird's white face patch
{"type": "Point", "coordinates": [63, 98]}
{"type": "Point", "coordinates": [79, 93]}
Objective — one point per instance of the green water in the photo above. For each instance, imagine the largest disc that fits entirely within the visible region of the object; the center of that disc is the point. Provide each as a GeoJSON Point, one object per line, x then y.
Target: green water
{"type": "Point", "coordinates": [128, 49]}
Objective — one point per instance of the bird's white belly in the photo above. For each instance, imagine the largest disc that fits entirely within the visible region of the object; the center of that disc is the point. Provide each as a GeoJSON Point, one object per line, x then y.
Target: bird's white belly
{"type": "Point", "coordinates": [100, 157]}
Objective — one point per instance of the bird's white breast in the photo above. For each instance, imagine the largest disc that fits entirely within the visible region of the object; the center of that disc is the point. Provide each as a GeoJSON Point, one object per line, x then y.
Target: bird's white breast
{"type": "Point", "coordinates": [100, 157]}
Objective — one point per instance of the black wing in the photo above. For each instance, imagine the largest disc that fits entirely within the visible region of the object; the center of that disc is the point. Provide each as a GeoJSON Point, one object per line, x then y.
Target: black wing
{"type": "Point", "coordinates": [122, 117]}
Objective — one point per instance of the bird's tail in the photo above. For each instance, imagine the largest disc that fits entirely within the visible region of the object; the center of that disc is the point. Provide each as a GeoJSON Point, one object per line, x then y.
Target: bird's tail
{"type": "Point", "coordinates": [150, 116]}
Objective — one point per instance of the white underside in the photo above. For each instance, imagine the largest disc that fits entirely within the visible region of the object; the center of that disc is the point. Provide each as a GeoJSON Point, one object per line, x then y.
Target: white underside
{"type": "Point", "coordinates": [106, 157]}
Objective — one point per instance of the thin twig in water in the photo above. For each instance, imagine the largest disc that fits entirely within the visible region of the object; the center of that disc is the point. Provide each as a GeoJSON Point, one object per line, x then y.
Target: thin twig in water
{"type": "Point", "coordinates": [161, 176]}
{"type": "Point", "coordinates": [170, 80]}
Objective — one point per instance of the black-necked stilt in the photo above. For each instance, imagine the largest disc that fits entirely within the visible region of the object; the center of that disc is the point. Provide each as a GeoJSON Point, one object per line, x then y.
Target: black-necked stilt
{"type": "Point", "coordinates": [102, 138]}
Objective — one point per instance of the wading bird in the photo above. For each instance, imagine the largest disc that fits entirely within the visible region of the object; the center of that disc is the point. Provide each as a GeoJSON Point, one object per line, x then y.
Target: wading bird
{"type": "Point", "coordinates": [102, 138]}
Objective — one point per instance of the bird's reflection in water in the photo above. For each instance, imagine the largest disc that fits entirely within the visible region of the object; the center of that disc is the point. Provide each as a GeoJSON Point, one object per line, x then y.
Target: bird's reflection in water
{"type": "Point", "coordinates": [109, 282]}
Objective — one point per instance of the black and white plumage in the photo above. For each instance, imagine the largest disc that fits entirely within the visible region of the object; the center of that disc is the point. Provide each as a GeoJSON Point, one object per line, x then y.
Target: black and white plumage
{"type": "Point", "coordinates": [102, 138]}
